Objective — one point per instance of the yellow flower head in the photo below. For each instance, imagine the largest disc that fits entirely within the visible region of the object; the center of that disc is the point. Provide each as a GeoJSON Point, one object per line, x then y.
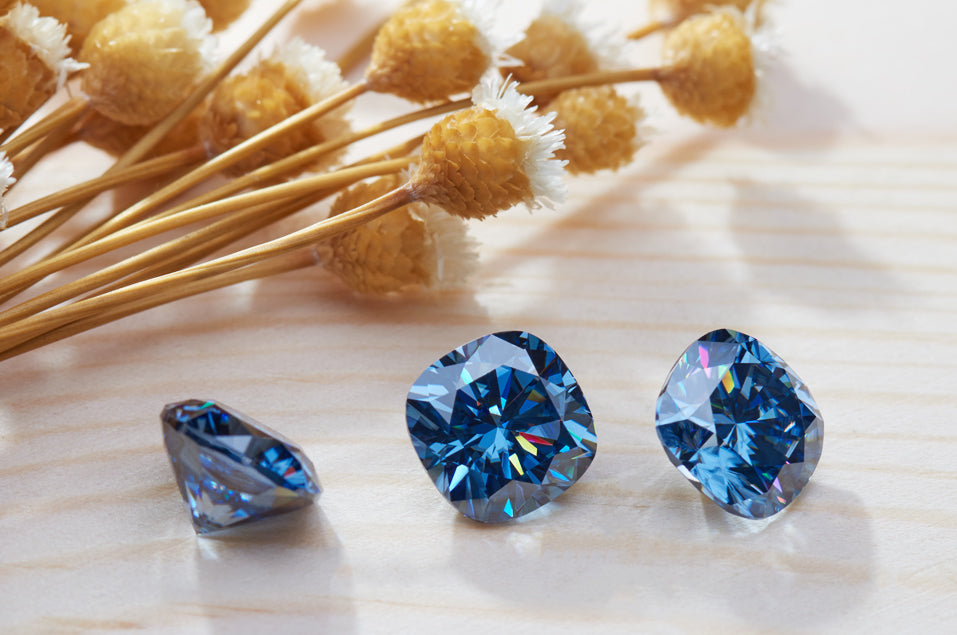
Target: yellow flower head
{"type": "Point", "coordinates": [35, 60]}
{"type": "Point", "coordinates": [417, 246]}
{"type": "Point", "coordinates": [711, 67]}
{"type": "Point", "coordinates": [294, 77]}
{"type": "Point", "coordinates": [432, 49]}
{"type": "Point", "coordinates": [145, 58]}
{"type": "Point", "coordinates": [603, 130]}
{"type": "Point", "coordinates": [79, 16]}
{"type": "Point", "coordinates": [559, 43]}
{"type": "Point", "coordinates": [490, 157]}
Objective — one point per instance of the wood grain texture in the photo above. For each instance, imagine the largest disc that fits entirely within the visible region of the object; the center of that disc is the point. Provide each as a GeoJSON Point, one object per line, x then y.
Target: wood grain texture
{"type": "Point", "coordinates": [831, 234]}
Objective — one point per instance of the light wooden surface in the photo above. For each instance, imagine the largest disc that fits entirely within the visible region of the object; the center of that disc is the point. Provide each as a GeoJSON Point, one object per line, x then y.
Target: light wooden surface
{"type": "Point", "coordinates": [830, 233]}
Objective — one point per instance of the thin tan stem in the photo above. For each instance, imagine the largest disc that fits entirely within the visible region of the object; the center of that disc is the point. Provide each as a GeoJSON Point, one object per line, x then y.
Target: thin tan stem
{"type": "Point", "coordinates": [35, 326]}
{"type": "Point", "coordinates": [272, 267]}
{"type": "Point", "coordinates": [559, 84]}
{"type": "Point", "coordinates": [154, 136]}
{"type": "Point", "coordinates": [140, 171]}
{"type": "Point", "coordinates": [651, 28]}
{"type": "Point", "coordinates": [154, 227]}
{"type": "Point", "coordinates": [66, 114]}
{"type": "Point", "coordinates": [184, 251]}
{"type": "Point", "coordinates": [193, 248]}
{"type": "Point", "coordinates": [149, 204]}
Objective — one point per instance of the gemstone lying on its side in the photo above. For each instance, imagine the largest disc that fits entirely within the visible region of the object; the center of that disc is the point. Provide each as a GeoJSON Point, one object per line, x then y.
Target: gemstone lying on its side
{"type": "Point", "coordinates": [501, 426]}
{"type": "Point", "coordinates": [231, 469]}
{"type": "Point", "coordinates": [739, 424]}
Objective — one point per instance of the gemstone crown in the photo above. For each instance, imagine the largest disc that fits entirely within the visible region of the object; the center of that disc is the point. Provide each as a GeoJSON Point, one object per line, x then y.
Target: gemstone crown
{"type": "Point", "coordinates": [501, 426]}
{"type": "Point", "coordinates": [739, 424]}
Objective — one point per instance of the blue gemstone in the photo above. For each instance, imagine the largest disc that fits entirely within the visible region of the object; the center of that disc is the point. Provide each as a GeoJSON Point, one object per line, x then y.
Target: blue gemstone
{"type": "Point", "coordinates": [231, 469]}
{"type": "Point", "coordinates": [501, 426]}
{"type": "Point", "coordinates": [739, 424]}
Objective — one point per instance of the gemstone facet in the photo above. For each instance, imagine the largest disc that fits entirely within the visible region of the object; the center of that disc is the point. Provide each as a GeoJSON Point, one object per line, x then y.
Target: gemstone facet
{"type": "Point", "coordinates": [231, 469]}
{"type": "Point", "coordinates": [739, 424]}
{"type": "Point", "coordinates": [501, 426]}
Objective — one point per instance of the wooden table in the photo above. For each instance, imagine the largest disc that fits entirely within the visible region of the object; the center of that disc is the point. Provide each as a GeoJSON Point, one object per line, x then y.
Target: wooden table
{"type": "Point", "coordinates": [830, 232]}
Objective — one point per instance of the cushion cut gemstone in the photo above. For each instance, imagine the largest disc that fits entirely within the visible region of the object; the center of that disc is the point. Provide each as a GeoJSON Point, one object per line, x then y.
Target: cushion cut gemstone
{"type": "Point", "coordinates": [739, 424]}
{"type": "Point", "coordinates": [232, 469]}
{"type": "Point", "coordinates": [501, 426]}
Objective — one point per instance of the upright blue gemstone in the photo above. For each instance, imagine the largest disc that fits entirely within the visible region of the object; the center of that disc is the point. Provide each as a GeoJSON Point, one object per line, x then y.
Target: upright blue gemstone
{"type": "Point", "coordinates": [501, 426]}
{"type": "Point", "coordinates": [740, 424]}
{"type": "Point", "coordinates": [231, 469]}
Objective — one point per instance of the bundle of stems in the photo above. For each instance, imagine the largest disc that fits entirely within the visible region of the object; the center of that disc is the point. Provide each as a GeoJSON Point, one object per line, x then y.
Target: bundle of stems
{"type": "Point", "coordinates": [488, 154]}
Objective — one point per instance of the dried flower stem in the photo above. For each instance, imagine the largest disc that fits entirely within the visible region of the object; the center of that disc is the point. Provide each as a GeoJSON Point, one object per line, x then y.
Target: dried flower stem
{"type": "Point", "coordinates": [291, 262]}
{"type": "Point", "coordinates": [156, 226]}
{"type": "Point", "coordinates": [68, 113]}
{"type": "Point", "coordinates": [143, 208]}
{"type": "Point", "coordinates": [24, 330]}
{"type": "Point", "coordinates": [154, 136]}
{"type": "Point", "coordinates": [652, 28]}
{"type": "Point", "coordinates": [83, 191]}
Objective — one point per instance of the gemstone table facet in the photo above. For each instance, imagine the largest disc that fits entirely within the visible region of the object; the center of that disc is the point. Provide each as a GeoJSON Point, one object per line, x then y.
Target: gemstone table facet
{"type": "Point", "coordinates": [501, 426]}
{"type": "Point", "coordinates": [231, 469]}
{"type": "Point", "coordinates": [739, 424]}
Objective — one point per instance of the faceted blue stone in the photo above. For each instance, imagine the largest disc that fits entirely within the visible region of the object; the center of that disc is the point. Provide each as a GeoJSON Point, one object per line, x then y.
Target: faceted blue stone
{"type": "Point", "coordinates": [501, 426]}
{"type": "Point", "coordinates": [740, 424]}
{"type": "Point", "coordinates": [231, 469]}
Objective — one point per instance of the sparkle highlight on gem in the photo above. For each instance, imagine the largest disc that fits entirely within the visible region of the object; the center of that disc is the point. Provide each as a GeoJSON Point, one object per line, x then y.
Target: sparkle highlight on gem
{"type": "Point", "coordinates": [501, 426]}
{"type": "Point", "coordinates": [231, 469]}
{"type": "Point", "coordinates": [739, 424]}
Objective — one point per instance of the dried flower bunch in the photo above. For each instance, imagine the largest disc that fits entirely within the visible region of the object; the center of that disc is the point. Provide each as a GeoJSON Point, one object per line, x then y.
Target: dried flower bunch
{"type": "Point", "coordinates": [543, 103]}
{"type": "Point", "coordinates": [36, 60]}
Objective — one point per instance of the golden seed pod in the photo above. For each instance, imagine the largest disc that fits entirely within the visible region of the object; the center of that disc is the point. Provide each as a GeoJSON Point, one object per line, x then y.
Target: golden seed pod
{"type": "Point", "coordinates": [79, 16]}
{"type": "Point", "coordinates": [5, 5]}
{"type": "Point", "coordinates": [116, 138]}
{"type": "Point", "coordinates": [602, 129]}
{"type": "Point", "coordinates": [551, 48]}
{"type": "Point", "coordinates": [145, 58]}
{"type": "Point", "coordinates": [428, 51]}
{"type": "Point", "coordinates": [490, 157]}
{"type": "Point", "coordinates": [681, 9]}
{"type": "Point", "coordinates": [295, 77]}
{"type": "Point", "coordinates": [224, 12]}
{"type": "Point", "coordinates": [709, 70]}
{"type": "Point", "coordinates": [415, 246]}
{"type": "Point", "coordinates": [35, 59]}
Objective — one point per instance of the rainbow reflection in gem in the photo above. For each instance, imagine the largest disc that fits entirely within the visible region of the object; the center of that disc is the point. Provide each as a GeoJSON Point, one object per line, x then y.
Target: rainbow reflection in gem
{"type": "Point", "coordinates": [739, 424]}
{"type": "Point", "coordinates": [501, 426]}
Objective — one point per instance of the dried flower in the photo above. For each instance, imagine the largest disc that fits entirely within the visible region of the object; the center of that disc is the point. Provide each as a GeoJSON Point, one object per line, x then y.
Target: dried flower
{"type": "Point", "coordinates": [497, 154]}
{"type": "Point", "coordinates": [6, 180]}
{"type": "Point", "coordinates": [433, 49]}
{"type": "Point", "coordinates": [116, 138]}
{"type": "Point", "coordinates": [710, 68]}
{"type": "Point", "coordinates": [224, 12]}
{"type": "Point", "coordinates": [79, 16]}
{"type": "Point", "coordinates": [602, 128]}
{"type": "Point", "coordinates": [415, 246]}
{"type": "Point", "coordinates": [296, 76]}
{"type": "Point", "coordinates": [36, 60]}
{"type": "Point", "coordinates": [145, 58]}
{"type": "Point", "coordinates": [560, 43]}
